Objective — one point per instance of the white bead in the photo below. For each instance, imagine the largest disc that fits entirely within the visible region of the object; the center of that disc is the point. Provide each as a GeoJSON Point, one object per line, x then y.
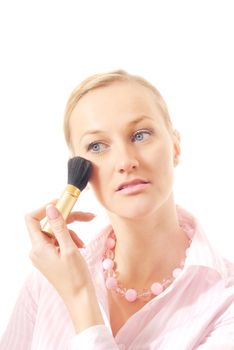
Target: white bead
{"type": "Point", "coordinates": [176, 272]}
{"type": "Point", "coordinates": [108, 264]}
{"type": "Point", "coordinates": [156, 288]}
{"type": "Point", "coordinates": [131, 295]}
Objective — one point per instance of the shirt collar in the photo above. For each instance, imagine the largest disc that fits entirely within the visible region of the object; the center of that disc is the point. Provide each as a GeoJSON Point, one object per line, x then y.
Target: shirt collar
{"type": "Point", "coordinates": [201, 252]}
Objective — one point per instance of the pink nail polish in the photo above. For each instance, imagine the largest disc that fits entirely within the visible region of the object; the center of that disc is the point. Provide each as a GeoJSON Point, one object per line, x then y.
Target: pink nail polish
{"type": "Point", "coordinates": [52, 212]}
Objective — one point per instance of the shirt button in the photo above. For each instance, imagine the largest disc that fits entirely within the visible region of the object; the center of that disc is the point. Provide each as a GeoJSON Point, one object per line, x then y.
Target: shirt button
{"type": "Point", "coordinates": [121, 346]}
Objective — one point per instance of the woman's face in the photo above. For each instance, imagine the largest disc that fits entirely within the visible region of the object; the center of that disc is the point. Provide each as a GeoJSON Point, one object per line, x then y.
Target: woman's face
{"type": "Point", "coordinates": [120, 129]}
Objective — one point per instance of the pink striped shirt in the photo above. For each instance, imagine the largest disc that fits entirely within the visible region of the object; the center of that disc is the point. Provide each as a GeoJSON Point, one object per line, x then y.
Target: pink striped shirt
{"type": "Point", "coordinates": [195, 312]}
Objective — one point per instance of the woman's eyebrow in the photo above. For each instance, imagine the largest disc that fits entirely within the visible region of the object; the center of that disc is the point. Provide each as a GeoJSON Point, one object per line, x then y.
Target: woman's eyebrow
{"type": "Point", "coordinates": [139, 119]}
{"type": "Point", "coordinates": [131, 123]}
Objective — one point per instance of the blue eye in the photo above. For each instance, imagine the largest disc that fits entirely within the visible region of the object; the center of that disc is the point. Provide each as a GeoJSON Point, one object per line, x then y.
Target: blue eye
{"type": "Point", "coordinates": [141, 135]}
{"type": "Point", "coordinates": [95, 147]}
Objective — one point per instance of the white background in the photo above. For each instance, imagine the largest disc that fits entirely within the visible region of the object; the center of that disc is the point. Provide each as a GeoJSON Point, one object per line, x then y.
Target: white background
{"type": "Point", "coordinates": [184, 47]}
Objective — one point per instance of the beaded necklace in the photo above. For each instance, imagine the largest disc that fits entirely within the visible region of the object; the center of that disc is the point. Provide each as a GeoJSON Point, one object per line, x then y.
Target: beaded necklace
{"type": "Point", "coordinates": [131, 294]}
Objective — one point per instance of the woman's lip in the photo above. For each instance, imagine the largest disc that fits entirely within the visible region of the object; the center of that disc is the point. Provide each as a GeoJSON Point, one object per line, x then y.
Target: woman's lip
{"type": "Point", "coordinates": [134, 188]}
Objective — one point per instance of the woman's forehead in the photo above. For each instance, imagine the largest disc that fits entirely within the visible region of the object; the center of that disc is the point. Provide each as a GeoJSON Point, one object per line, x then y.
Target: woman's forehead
{"type": "Point", "coordinates": [115, 100]}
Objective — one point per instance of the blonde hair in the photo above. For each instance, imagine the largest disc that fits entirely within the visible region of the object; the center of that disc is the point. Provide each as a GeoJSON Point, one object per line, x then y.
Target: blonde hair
{"type": "Point", "coordinates": [105, 79]}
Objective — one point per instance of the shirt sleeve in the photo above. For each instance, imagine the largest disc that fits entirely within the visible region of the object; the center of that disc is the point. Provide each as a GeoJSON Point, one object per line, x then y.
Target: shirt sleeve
{"type": "Point", "coordinates": [96, 337]}
{"type": "Point", "coordinates": [19, 332]}
{"type": "Point", "coordinates": [222, 336]}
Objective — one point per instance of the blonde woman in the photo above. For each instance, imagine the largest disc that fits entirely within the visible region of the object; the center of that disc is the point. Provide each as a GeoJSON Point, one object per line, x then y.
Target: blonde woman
{"type": "Point", "coordinates": [151, 279]}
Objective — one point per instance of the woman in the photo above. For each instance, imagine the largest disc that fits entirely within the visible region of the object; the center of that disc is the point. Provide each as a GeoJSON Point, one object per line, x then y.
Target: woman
{"type": "Point", "coordinates": [150, 280]}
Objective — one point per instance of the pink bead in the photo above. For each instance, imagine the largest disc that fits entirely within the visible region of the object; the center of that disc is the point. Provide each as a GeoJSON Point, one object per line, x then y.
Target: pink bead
{"type": "Point", "coordinates": [108, 264]}
{"type": "Point", "coordinates": [156, 288]}
{"type": "Point", "coordinates": [111, 283]}
{"type": "Point", "coordinates": [130, 295]}
{"type": "Point", "coordinates": [176, 272]}
{"type": "Point", "coordinates": [110, 243]}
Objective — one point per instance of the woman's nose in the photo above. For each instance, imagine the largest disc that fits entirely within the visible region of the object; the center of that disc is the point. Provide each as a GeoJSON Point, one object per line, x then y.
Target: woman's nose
{"type": "Point", "coordinates": [126, 162]}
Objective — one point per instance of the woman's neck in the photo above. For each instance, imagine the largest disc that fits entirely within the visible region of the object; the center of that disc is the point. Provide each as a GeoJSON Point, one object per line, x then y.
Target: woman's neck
{"type": "Point", "coordinates": [148, 249]}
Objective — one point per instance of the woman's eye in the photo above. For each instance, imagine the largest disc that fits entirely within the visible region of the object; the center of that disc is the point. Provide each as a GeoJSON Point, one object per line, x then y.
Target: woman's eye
{"type": "Point", "coordinates": [96, 147]}
{"type": "Point", "coordinates": [141, 135]}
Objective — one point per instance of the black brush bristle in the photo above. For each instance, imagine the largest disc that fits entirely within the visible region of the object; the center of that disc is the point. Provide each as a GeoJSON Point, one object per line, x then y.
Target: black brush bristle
{"type": "Point", "coordinates": [79, 172]}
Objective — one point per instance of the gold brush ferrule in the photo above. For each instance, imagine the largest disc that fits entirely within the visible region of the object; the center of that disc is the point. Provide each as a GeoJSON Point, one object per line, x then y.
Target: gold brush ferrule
{"type": "Point", "coordinates": [65, 204]}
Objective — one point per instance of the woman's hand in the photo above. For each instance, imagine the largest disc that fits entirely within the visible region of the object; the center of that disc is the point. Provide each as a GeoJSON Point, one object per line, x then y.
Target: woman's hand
{"type": "Point", "coordinates": [59, 259]}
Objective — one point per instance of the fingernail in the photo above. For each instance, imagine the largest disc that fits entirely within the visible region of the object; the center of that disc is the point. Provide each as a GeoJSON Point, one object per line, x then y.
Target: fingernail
{"type": "Point", "coordinates": [52, 212]}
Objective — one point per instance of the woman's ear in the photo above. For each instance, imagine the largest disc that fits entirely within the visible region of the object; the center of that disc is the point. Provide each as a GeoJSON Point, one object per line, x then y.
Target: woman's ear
{"type": "Point", "coordinates": [177, 149]}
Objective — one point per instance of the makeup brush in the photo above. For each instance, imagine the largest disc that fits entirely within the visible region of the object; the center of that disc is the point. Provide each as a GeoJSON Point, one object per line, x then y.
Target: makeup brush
{"type": "Point", "coordinates": [79, 172]}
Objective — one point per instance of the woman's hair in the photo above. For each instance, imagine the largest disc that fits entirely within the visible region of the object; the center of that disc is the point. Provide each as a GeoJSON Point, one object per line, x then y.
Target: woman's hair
{"type": "Point", "coordinates": [105, 79]}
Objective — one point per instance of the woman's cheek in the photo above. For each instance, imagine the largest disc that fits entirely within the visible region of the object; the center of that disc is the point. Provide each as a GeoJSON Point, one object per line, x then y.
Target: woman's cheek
{"type": "Point", "coordinates": [95, 177]}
